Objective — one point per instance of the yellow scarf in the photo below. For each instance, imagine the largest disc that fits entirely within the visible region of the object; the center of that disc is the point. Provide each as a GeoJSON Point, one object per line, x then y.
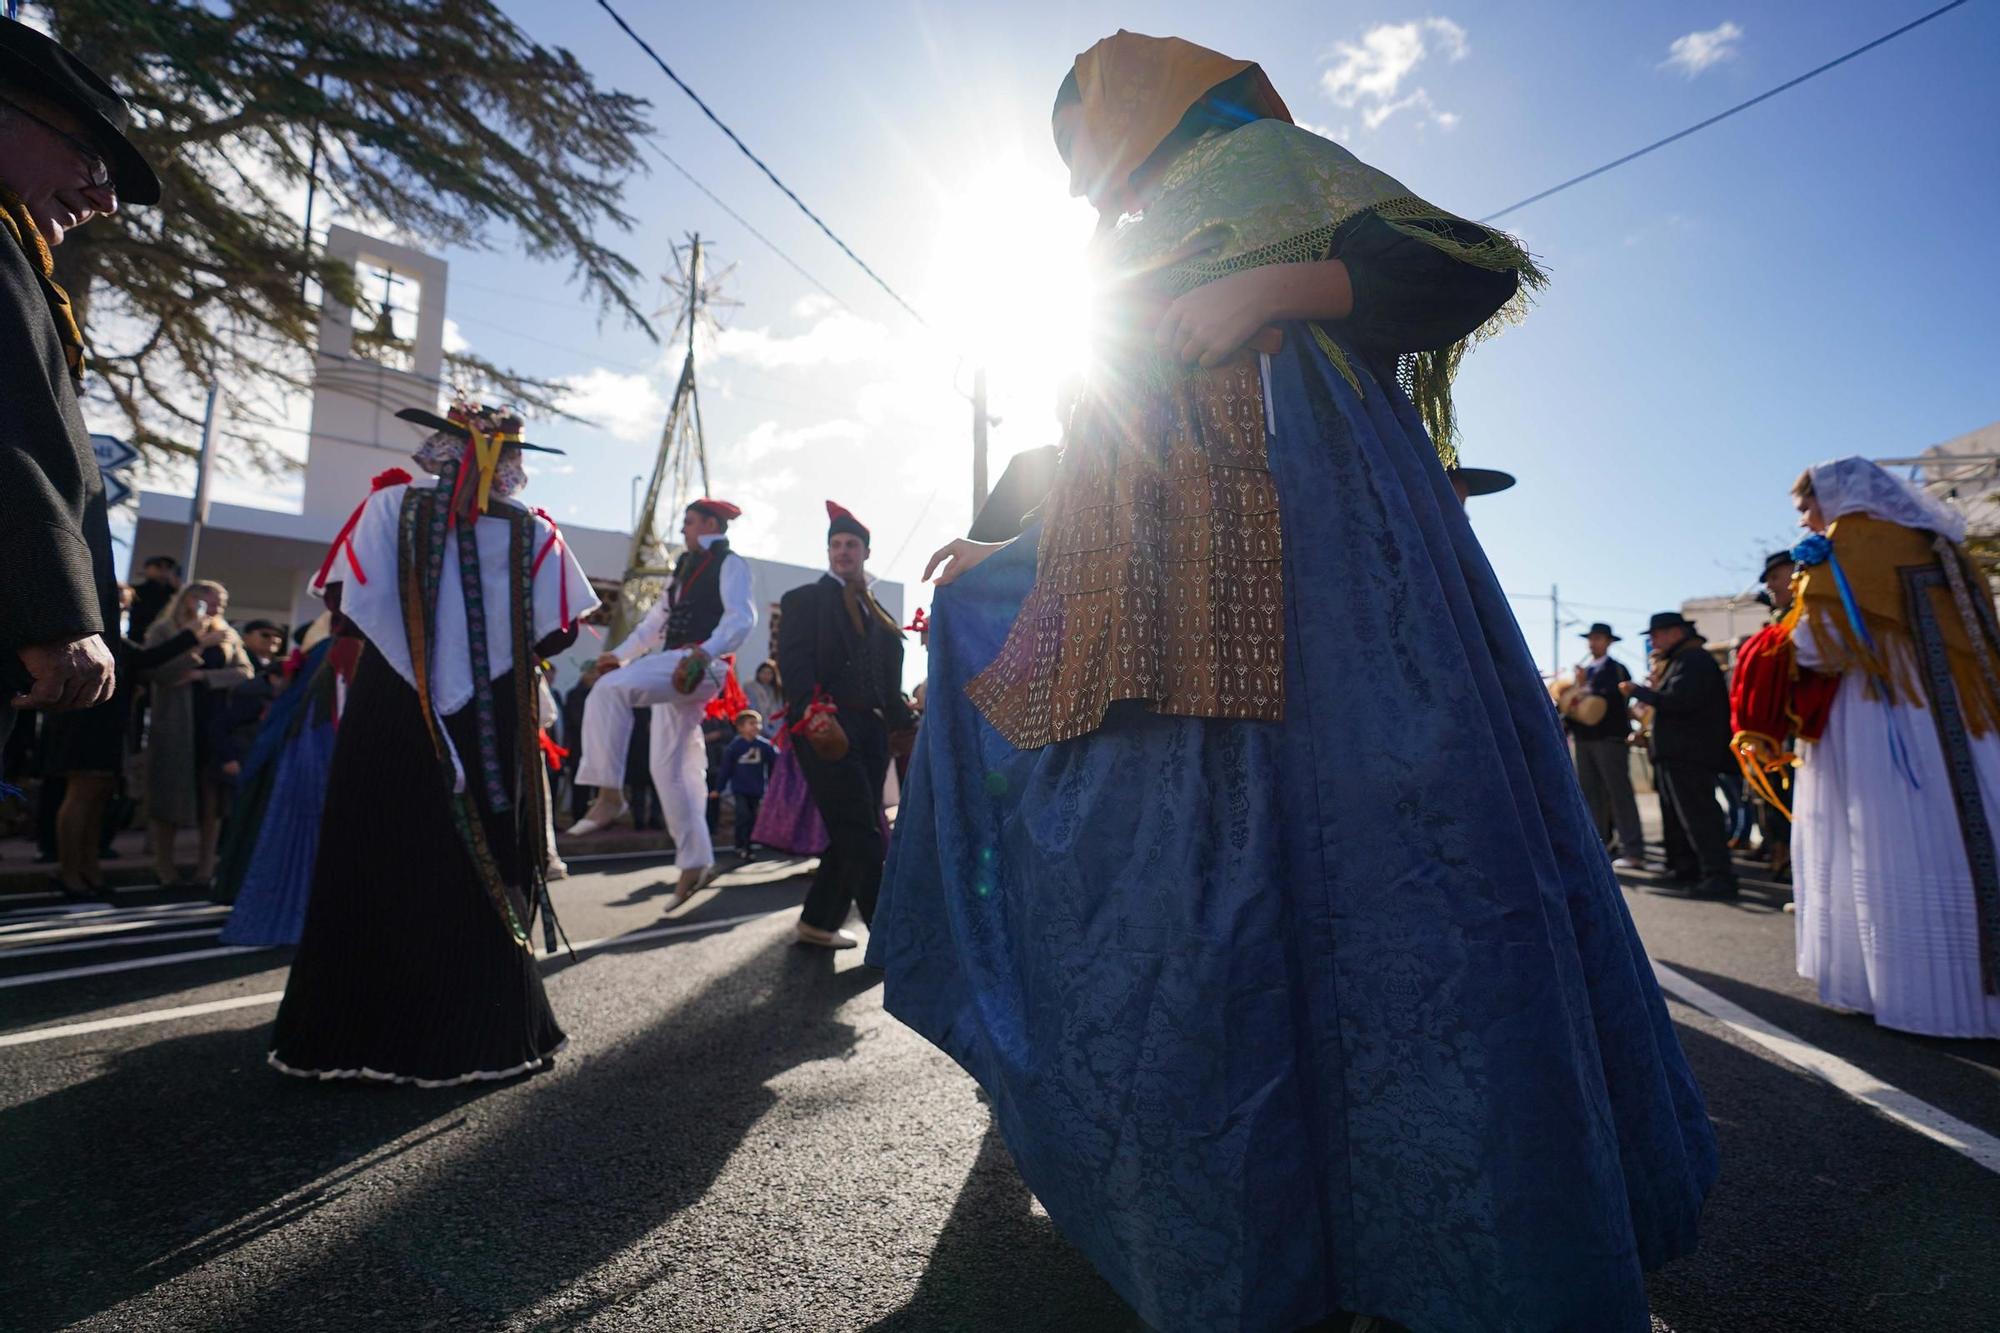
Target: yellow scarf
{"type": "Point", "coordinates": [20, 224]}
{"type": "Point", "coordinates": [1873, 553]}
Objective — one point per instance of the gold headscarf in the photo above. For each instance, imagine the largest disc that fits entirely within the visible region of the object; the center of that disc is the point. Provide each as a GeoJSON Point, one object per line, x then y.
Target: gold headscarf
{"type": "Point", "coordinates": [1135, 89]}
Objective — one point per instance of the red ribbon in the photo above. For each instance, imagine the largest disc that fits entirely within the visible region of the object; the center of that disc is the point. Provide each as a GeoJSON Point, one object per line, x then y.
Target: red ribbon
{"type": "Point", "coordinates": [820, 706]}
{"type": "Point", "coordinates": [554, 753]}
{"type": "Point", "coordinates": [554, 543]}
{"type": "Point", "coordinates": [395, 476]}
{"type": "Point", "coordinates": [918, 623]}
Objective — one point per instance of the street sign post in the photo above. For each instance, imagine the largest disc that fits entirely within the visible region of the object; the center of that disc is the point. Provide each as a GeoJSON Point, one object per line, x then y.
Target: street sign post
{"type": "Point", "coordinates": [113, 454]}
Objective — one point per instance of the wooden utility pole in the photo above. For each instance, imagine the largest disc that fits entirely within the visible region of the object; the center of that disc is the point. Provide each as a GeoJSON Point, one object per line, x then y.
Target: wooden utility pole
{"type": "Point", "coordinates": [683, 451]}
{"type": "Point", "coordinates": [979, 424]}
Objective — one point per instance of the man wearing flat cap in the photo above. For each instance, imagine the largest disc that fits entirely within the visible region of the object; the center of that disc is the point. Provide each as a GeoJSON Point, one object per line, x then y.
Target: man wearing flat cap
{"type": "Point", "coordinates": [673, 664]}
{"type": "Point", "coordinates": [839, 646]}
{"type": "Point", "coordinates": [1690, 752]}
{"type": "Point", "coordinates": [64, 159]}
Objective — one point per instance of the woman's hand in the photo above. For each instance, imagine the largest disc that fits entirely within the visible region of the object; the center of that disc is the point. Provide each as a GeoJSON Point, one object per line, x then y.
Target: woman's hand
{"type": "Point", "coordinates": [958, 556]}
{"type": "Point", "coordinates": [1209, 324]}
{"type": "Point", "coordinates": [212, 635]}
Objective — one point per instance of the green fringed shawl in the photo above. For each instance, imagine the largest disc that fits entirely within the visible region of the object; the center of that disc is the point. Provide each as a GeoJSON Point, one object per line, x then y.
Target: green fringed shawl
{"type": "Point", "coordinates": [1272, 193]}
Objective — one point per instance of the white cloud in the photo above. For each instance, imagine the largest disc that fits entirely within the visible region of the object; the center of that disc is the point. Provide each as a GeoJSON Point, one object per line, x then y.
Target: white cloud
{"type": "Point", "coordinates": [1699, 50]}
{"type": "Point", "coordinates": [1341, 135]}
{"type": "Point", "coordinates": [1369, 75]}
{"type": "Point", "coordinates": [812, 305]}
{"type": "Point", "coordinates": [454, 337]}
{"type": "Point", "coordinates": [837, 339]}
{"type": "Point", "coordinates": [769, 440]}
{"type": "Point", "coordinates": [629, 407]}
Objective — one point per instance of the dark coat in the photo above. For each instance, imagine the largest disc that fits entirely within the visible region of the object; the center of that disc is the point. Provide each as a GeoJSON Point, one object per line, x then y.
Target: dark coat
{"type": "Point", "coordinates": [1617, 724]}
{"type": "Point", "coordinates": [817, 646]}
{"type": "Point", "coordinates": [1690, 710]}
{"type": "Point", "coordinates": [59, 584]}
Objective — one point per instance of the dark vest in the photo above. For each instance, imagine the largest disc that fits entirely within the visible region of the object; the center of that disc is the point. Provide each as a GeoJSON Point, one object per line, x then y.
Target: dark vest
{"type": "Point", "coordinates": [695, 596]}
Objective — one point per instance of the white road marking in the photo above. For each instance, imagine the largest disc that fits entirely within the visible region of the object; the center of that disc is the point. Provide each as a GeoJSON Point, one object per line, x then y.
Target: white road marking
{"type": "Point", "coordinates": [34, 1035]}
{"type": "Point", "coordinates": [122, 942]}
{"type": "Point", "coordinates": [129, 965]}
{"type": "Point", "coordinates": [101, 928]}
{"type": "Point", "coordinates": [1858, 1083]}
{"type": "Point", "coordinates": [87, 915]}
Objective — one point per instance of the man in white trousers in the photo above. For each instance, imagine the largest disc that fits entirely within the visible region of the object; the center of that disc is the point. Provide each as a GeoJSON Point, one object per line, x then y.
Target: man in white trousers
{"type": "Point", "coordinates": [673, 664]}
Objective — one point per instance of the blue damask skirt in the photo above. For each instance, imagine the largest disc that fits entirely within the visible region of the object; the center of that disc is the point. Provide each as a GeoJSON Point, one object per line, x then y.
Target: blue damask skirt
{"type": "Point", "coordinates": [1342, 1012]}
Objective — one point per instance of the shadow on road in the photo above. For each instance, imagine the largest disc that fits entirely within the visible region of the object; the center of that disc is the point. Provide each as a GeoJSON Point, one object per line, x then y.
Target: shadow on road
{"type": "Point", "coordinates": [559, 1176]}
{"type": "Point", "coordinates": [180, 1150]}
{"type": "Point", "coordinates": [1826, 1216]}
{"type": "Point", "coordinates": [1000, 1266]}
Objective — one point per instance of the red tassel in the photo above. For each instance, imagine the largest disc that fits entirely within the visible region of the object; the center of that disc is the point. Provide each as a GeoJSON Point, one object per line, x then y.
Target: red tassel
{"type": "Point", "coordinates": [732, 700]}
{"type": "Point", "coordinates": [918, 623]}
{"type": "Point", "coordinates": [554, 753]}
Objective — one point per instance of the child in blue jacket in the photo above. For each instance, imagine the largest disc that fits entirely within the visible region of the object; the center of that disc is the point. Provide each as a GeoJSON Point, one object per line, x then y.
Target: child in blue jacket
{"type": "Point", "coordinates": [746, 767]}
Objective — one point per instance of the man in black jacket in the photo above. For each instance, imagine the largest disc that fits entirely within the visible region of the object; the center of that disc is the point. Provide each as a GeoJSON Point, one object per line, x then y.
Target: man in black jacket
{"type": "Point", "coordinates": [1603, 760]}
{"type": "Point", "coordinates": [835, 641]}
{"type": "Point", "coordinates": [64, 159]}
{"type": "Point", "coordinates": [1690, 751]}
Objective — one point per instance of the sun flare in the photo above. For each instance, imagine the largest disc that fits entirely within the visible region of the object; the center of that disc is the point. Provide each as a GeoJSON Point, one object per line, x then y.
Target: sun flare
{"type": "Point", "coordinates": [1010, 286]}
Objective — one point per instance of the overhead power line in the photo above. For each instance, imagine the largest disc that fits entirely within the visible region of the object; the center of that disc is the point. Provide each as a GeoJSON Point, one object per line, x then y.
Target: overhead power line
{"type": "Point", "coordinates": [1740, 106]}
{"type": "Point", "coordinates": [744, 148]}
{"type": "Point", "coordinates": [769, 244]}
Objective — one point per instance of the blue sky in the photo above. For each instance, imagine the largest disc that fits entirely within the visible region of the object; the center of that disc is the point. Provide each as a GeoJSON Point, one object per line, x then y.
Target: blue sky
{"type": "Point", "coordinates": [1807, 280]}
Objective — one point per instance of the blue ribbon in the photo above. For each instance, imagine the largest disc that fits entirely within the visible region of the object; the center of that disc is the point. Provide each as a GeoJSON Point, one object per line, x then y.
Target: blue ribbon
{"type": "Point", "coordinates": [1818, 550]}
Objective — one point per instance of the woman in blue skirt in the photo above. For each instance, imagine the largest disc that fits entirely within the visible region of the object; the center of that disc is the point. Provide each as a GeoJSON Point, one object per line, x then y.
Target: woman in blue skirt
{"type": "Point", "coordinates": [1242, 862]}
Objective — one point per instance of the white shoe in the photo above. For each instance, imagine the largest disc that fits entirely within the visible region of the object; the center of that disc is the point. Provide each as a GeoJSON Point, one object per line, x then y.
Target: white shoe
{"type": "Point", "coordinates": [558, 869]}
{"type": "Point", "coordinates": [603, 813]}
{"type": "Point", "coordinates": [826, 939]}
{"type": "Point", "coordinates": [1627, 863]}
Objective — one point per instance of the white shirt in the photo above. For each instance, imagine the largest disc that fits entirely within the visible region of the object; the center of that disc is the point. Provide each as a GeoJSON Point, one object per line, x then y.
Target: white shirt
{"type": "Point", "coordinates": [739, 613]}
{"type": "Point", "coordinates": [376, 605]}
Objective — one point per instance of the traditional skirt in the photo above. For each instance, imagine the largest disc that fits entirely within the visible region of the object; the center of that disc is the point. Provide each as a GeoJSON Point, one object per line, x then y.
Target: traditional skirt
{"type": "Point", "coordinates": [406, 972]}
{"type": "Point", "coordinates": [1338, 1012]}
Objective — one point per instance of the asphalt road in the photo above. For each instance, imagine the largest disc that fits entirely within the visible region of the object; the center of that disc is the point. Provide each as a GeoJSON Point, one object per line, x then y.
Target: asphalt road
{"type": "Point", "coordinates": [739, 1138]}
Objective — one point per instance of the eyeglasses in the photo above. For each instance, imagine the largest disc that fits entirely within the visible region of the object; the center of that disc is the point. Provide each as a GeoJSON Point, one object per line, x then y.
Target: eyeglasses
{"type": "Point", "coordinates": [100, 170]}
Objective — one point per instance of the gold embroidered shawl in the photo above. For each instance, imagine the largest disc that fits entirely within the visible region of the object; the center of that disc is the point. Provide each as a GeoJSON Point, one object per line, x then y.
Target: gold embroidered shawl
{"type": "Point", "coordinates": [1159, 575]}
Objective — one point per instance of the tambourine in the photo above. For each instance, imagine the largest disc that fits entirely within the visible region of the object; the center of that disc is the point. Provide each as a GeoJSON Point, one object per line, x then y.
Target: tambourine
{"type": "Point", "coordinates": [690, 673]}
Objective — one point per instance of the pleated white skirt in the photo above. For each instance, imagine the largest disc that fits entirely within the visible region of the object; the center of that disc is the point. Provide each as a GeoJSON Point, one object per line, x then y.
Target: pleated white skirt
{"type": "Point", "coordinates": [1887, 924]}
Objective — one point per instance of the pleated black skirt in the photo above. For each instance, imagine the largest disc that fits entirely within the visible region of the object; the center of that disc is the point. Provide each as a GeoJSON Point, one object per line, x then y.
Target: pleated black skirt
{"type": "Point", "coordinates": [406, 972]}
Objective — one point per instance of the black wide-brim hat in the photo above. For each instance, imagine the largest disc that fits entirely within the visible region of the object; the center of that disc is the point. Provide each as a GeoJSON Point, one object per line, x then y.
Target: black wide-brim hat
{"type": "Point", "coordinates": [1776, 558]}
{"type": "Point", "coordinates": [35, 62]}
{"type": "Point", "coordinates": [1668, 620]}
{"type": "Point", "coordinates": [1601, 628]}
{"type": "Point", "coordinates": [1483, 480]}
{"type": "Point", "coordinates": [436, 422]}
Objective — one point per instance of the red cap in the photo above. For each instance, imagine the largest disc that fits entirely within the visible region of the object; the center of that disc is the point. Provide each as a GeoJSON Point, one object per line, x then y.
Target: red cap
{"type": "Point", "coordinates": [841, 519]}
{"type": "Point", "coordinates": [721, 509]}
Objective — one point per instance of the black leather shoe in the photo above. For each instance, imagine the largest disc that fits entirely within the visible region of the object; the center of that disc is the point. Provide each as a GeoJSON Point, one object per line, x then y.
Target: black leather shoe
{"type": "Point", "coordinates": [1716, 888]}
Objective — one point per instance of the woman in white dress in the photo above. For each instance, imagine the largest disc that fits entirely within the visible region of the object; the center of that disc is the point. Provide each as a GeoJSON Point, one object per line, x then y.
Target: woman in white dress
{"type": "Point", "coordinates": [1898, 795]}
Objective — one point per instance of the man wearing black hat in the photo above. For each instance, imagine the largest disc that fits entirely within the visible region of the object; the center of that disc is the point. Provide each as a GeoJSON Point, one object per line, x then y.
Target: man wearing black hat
{"type": "Point", "coordinates": [1603, 760]}
{"type": "Point", "coordinates": [837, 643]}
{"type": "Point", "coordinates": [64, 159]}
{"type": "Point", "coordinates": [1690, 751]}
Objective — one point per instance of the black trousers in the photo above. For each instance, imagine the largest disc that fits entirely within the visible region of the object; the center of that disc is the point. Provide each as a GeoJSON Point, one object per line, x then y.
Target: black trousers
{"type": "Point", "coordinates": [746, 818]}
{"type": "Point", "coordinates": [848, 793]}
{"type": "Point", "coordinates": [1694, 825]}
